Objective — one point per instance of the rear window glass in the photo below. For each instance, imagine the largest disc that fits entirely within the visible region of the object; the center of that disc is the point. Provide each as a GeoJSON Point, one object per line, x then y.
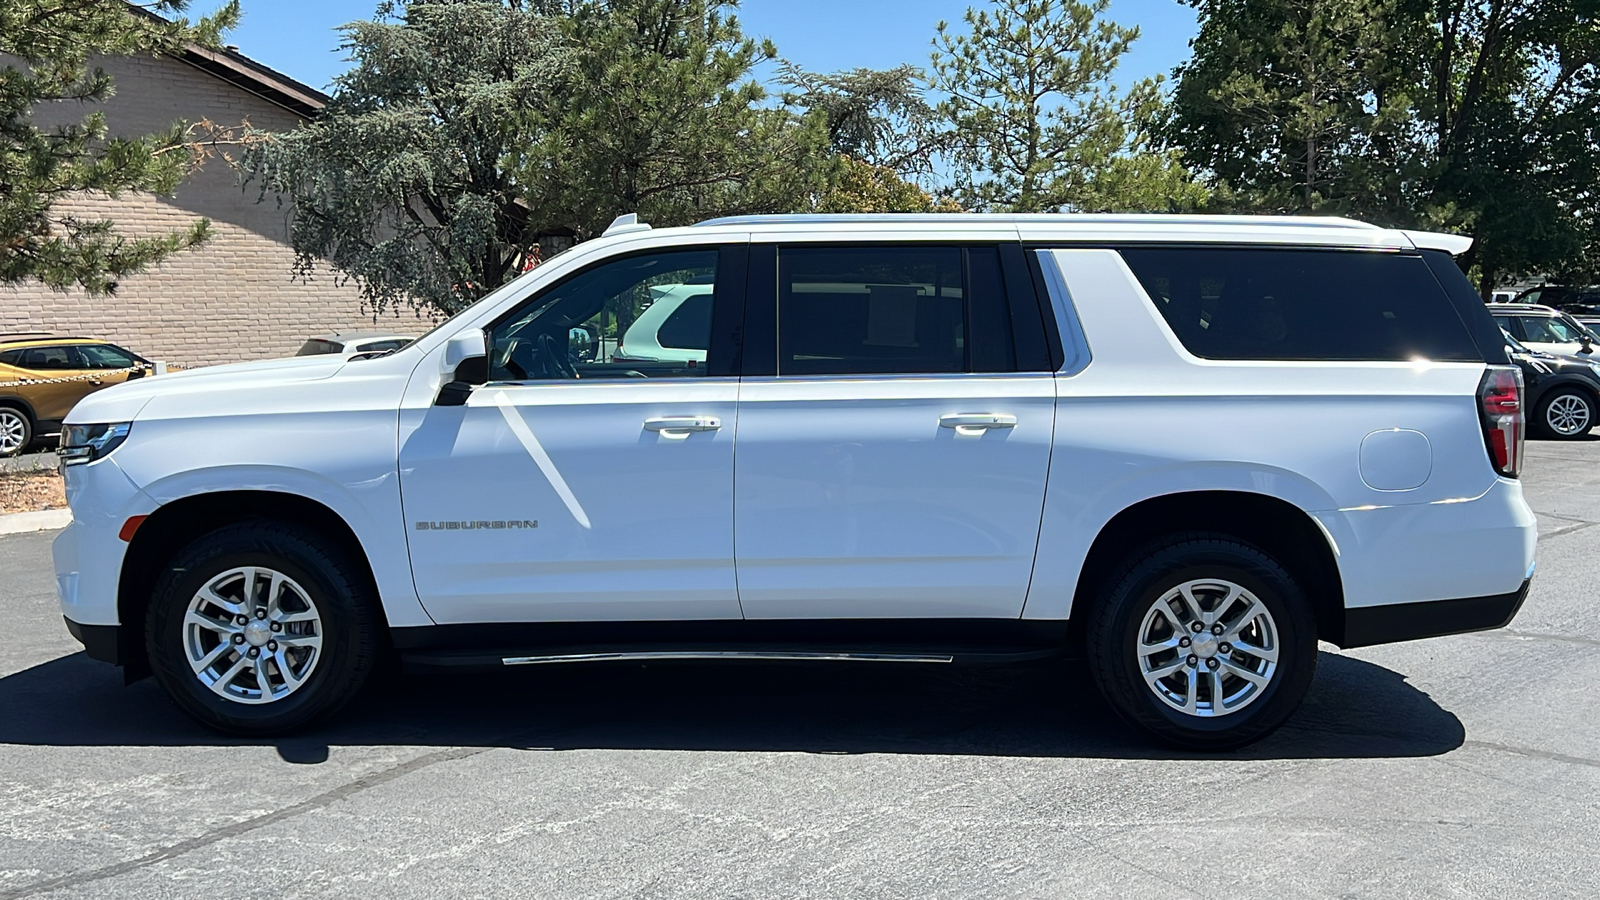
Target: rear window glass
{"type": "Point", "coordinates": [1302, 304]}
{"type": "Point", "coordinates": [318, 347]}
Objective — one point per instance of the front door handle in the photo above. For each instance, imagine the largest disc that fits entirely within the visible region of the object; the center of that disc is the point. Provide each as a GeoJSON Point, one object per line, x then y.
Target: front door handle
{"type": "Point", "coordinates": [977, 423]}
{"type": "Point", "coordinates": [681, 426]}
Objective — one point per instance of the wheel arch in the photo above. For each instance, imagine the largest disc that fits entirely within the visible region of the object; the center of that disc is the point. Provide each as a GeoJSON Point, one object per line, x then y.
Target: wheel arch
{"type": "Point", "coordinates": [1275, 526]}
{"type": "Point", "coordinates": [173, 526]}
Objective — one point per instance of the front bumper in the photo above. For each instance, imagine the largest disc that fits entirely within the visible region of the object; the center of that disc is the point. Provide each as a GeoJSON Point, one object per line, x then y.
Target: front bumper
{"type": "Point", "coordinates": [1365, 626]}
{"type": "Point", "coordinates": [102, 642]}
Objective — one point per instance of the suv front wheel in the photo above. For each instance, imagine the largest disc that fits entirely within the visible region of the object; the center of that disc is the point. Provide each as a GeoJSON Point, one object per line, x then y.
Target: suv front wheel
{"type": "Point", "coordinates": [260, 628]}
{"type": "Point", "coordinates": [1205, 642]}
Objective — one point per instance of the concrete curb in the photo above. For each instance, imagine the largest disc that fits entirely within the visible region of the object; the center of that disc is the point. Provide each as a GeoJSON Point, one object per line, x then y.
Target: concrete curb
{"type": "Point", "coordinates": [22, 523]}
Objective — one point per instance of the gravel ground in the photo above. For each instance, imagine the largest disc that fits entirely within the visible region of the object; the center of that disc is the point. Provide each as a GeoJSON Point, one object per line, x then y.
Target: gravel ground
{"type": "Point", "coordinates": [1458, 767]}
{"type": "Point", "coordinates": [31, 492]}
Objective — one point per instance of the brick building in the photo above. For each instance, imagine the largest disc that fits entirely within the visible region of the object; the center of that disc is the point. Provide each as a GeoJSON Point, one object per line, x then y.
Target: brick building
{"type": "Point", "coordinates": [234, 298]}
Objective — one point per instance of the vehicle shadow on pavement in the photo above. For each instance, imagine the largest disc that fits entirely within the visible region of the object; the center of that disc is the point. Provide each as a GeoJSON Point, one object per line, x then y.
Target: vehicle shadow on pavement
{"type": "Point", "coordinates": [1354, 710]}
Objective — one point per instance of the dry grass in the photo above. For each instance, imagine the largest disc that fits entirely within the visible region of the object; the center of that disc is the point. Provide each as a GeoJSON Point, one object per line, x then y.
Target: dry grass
{"type": "Point", "coordinates": [31, 492]}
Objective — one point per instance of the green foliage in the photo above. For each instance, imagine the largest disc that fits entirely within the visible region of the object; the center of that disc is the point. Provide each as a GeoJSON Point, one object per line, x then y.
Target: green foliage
{"type": "Point", "coordinates": [1035, 118]}
{"type": "Point", "coordinates": [48, 44]}
{"type": "Point", "coordinates": [1467, 115]}
{"type": "Point", "coordinates": [401, 183]}
{"type": "Point", "coordinates": [470, 129]}
{"type": "Point", "coordinates": [879, 118]}
{"type": "Point", "coordinates": [657, 115]}
{"type": "Point", "coordinates": [861, 187]}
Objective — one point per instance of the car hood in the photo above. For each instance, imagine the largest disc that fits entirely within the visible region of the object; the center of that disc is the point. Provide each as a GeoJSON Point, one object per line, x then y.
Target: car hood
{"type": "Point", "coordinates": [122, 403]}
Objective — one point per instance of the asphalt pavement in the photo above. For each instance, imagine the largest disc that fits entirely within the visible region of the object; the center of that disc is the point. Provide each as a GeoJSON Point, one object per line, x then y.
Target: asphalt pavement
{"type": "Point", "coordinates": [1457, 767]}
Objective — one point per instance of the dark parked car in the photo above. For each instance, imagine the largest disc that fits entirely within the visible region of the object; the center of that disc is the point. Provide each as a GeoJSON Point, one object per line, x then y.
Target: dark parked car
{"type": "Point", "coordinates": [1580, 302]}
{"type": "Point", "coordinates": [1563, 392]}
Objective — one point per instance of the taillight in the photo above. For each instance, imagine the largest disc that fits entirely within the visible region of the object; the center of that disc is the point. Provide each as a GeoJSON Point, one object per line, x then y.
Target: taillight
{"type": "Point", "coordinates": [1500, 406]}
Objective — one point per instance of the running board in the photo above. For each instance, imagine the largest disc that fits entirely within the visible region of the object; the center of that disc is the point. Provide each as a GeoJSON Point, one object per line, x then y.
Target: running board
{"type": "Point", "coordinates": [767, 655]}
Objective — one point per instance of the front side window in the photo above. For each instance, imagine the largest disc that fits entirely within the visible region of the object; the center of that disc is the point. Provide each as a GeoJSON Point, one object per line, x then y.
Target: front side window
{"type": "Point", "coordinates": [913, 310]}
{"type": "Point", "coordinates": [1543, 330]}
{"type": "Point", "coordinates": [1285, 304]}
{"type": "Point", "coordinates": [105, 356]}
{"type": "Point", "coordinates": [645, 316]}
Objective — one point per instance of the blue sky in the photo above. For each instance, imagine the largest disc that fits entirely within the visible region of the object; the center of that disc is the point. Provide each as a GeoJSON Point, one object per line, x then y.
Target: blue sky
{"type": "Point", "coordinates": [297, 37]}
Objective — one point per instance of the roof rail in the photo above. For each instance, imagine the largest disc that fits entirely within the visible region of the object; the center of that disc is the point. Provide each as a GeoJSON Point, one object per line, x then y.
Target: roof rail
{"type": "Point", "coordinates": [1331, 222]}
{"type": "Point", "coordinates": [626, 224]}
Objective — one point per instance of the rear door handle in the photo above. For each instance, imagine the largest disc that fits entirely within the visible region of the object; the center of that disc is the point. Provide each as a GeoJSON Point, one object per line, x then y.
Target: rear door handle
{"type": "Point", "coordinates": [681, 426]}
{"type": "Point", "coordinates": [977, 423]}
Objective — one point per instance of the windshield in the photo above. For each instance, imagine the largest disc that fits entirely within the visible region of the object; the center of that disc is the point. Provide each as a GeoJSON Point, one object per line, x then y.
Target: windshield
{"type": "Point", "coordinates": [1578, 328]}
{"type": "Point", "coordinates": [1513, 343]}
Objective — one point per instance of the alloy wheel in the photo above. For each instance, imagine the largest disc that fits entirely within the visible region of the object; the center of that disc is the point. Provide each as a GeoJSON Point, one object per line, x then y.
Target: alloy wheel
{"type": "Point", "coordinates": [1208, 648]}
{"type": "Point", "coordinates": [1568, 415]}
{"type": "Point", "coordinates": [252, 635]}
{"type": "Point", "coordinates": [13, 432]}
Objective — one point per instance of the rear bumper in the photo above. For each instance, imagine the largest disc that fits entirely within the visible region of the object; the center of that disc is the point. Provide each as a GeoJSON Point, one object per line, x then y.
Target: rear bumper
{"type": "Point", "coordinates": [1365, 626]}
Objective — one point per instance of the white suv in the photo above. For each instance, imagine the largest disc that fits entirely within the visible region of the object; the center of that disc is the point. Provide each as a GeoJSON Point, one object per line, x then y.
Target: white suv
{"type": "Point", "coordinates": [1185, 448]}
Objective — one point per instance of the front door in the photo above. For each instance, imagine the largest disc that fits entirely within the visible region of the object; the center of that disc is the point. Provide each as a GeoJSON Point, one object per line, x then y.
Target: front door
{"type": "Point", "coordinates": [579, 484]}
{"type": "Point", "coordinates": [894, 465]}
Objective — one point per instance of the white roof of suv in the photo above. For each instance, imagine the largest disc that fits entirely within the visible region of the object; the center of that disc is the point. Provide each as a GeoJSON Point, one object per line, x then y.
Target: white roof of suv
{"type": "Point", "coordinates": [1302, 230]}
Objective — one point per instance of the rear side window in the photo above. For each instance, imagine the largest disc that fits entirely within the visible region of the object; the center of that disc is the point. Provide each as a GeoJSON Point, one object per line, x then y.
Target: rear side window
{"type": "Point", "coordinates": [50, 358]}
{"type": "Point", "coordinates": [11, 357]}
{"type": "Point", "coordinates": [907, 310]}
{"type": "Point", "coordinates": [1227, 303]}
{"type": "Point", "coordinates": [318, 347]}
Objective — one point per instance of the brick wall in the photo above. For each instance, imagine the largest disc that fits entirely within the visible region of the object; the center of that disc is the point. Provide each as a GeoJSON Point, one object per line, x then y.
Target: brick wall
{"type": "Point", "coordinates": [235, 298]}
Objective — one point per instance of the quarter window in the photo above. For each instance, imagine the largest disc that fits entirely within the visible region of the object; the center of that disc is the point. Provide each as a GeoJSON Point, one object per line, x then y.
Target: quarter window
{"type": "Point", "coordinates": [639, 317]}
{"type": "Point", "coordinates": [1225, 303]}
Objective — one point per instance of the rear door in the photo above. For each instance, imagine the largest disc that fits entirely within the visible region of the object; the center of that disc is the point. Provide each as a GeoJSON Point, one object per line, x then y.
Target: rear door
{"type": "Point", "coordinates": [892, 444]}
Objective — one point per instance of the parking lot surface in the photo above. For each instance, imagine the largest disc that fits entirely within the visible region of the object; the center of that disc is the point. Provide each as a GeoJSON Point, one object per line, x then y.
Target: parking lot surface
{"type": "Point", "coordinates": [1458, 767]}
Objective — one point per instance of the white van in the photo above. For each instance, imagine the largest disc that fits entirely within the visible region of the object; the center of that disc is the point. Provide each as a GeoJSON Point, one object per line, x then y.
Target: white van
{"type": "Point", "coordinates": [1186, 448]}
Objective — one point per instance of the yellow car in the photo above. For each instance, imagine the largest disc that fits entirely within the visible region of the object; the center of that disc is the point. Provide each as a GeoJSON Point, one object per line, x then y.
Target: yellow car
{"type": "Point", "coordinates": [42, 376]}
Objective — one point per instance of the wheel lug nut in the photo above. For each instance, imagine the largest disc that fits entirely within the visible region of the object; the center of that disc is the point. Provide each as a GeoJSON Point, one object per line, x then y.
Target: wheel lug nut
{"type": "Point", "coordinates": [1211, 664]}
{"type": "Point", "coordinates": [1216, 629]}
{"type": "Point", "coordinates": [277, 626]}
{"type": "Point", "coordinates": [1225, 648]}
{"type": "Point", "coordinates": [1184, 642]}
{"type": "Point", "coordinates": [261, 614]}
{"type": "Point", "coordinates": [1192, 661]}
{"type": "Point", "coordinates": [238, 639]}
{"type": "Point", "coordinates": [254, 652]}
{"type": "Point", "coordinates": [1195, 627]}
{"type": "Point", "coordinates": [240, 620]}
{"type": "Point", "coordinates": [272, 646]}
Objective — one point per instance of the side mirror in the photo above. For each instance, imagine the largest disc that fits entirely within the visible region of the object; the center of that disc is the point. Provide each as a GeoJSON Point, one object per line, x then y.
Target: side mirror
{"type": "Point", "coordinates": [581, 342]}
{"type": "Point", "coordinates": [1587, 346]}
{"type": "Point", "coordinates": [462, 347]}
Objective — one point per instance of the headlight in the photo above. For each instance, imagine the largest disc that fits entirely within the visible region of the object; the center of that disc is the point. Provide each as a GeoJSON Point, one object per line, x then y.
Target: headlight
{"type": "Point", "coordinates": [87, 443]}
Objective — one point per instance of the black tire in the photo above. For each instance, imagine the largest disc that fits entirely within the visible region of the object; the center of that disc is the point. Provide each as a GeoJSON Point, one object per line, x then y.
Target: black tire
{"type": "Point", "coordinates": [339, 586]}
{"type": "Point", "coordinates": [1542, 417]}
{"type": "Point", "coordinates": [12, 419]}
{"type": "Point", "coordinates": [1114, 635]}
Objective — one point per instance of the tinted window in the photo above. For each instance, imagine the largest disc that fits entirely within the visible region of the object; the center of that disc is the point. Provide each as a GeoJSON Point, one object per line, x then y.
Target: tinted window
{"type": "Point", "coordinates": [572, 330]}
{"type": "Point", "coordinates": [384, 346]}
{"type": "Point", "coordinates": [48, 358]}
{"type": "Point", "coordinates": [318, 347]}
{"type": "Point", "coordinates": [689, 326]}
{"type": "Point", "coordinates": [11, 357]}
{"type": "Point", "coordinates": [890, 310]}
{"type": "Point", "coordinates": [105, 356]}
{"type": "Point", "coordinates": [1302, 304]}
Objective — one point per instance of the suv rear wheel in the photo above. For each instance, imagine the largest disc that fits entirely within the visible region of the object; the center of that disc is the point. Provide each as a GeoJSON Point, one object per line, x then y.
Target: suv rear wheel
{"type": "Point", "coordinates": [1205, 642]}
{"type": "Point", "coordinates": [16, 431]}
{"type": "Point", "coordinates": [258, 629]}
